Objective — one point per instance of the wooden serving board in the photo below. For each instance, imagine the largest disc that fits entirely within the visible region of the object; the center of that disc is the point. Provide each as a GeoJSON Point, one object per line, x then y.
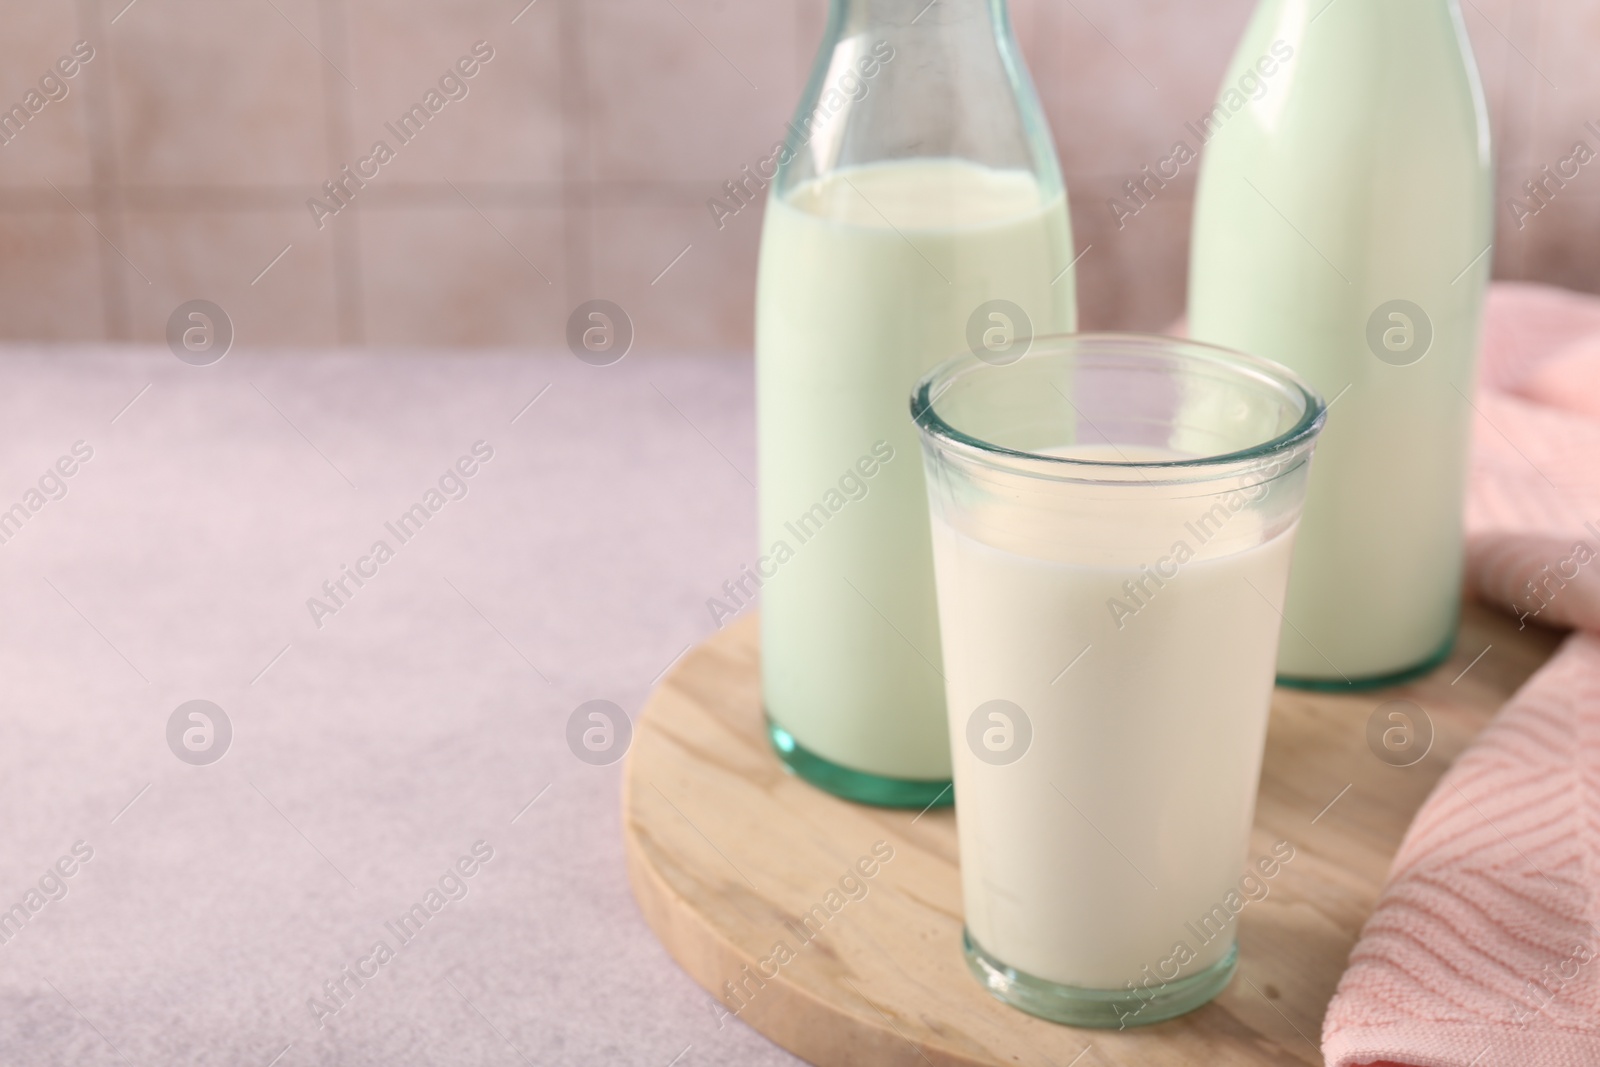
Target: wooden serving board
{"type": "Point", "coordinates": [727, 851]}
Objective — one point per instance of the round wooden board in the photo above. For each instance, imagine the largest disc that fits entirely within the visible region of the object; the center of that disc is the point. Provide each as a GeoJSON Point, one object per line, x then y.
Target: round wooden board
{"type": "Point", "coordinates": [727, 851]}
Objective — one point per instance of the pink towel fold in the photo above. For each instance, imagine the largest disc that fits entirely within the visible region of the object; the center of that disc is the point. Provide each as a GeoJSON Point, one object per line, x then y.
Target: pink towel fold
{"type": "Point", "coordinates": [1484, 948]}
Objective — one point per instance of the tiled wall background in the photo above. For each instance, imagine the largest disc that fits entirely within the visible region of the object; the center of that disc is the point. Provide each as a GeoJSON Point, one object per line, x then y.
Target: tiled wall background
{"type": "Point", "coordinates": [579, 164]}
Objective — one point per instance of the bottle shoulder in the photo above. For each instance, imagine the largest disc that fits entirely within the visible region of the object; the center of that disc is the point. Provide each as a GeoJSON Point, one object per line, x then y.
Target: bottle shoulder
{"type": "Point", "coordinates": [1358, 71]}
{"type": "Point", "coordinates": [951, 84]}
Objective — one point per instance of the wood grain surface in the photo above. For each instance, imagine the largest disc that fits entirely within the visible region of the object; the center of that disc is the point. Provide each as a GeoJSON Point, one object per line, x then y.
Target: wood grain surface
{"type": "Point", "coordinates": [727, 851]}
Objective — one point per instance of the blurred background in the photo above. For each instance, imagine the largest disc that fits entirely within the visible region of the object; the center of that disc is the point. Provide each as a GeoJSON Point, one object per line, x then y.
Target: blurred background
{"type": "Point", "coordinates": [180, 160]}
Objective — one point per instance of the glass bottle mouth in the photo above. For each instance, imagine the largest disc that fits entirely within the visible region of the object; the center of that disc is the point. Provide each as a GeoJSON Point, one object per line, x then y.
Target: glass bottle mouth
{"type": "Point", "coordinates": [958, 407]}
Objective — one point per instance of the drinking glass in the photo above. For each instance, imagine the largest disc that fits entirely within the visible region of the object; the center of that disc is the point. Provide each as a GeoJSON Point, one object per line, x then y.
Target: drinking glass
{"type": "Point", "coordinates": [1112, 523]}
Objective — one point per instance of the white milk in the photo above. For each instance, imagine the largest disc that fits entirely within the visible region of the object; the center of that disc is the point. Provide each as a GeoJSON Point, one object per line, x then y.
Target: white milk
{"type": "Point", "coordinates": [1128, 816]}
{"type": "Point", "coordinates": [868, 278]}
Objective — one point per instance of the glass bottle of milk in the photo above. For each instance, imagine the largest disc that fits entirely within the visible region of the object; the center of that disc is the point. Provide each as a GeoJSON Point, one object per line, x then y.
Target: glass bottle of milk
{"type": "Point", "coordinates": [1343, 227]}
{"type": "Point", "coordinates": [917, 211]}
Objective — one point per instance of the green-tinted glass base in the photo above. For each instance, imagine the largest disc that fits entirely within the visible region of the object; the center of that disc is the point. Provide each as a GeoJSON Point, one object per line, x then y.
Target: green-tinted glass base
{"type": "Point", "coordinates": [1381, 681]}
{"type": "Point", "coordinates": [1107, 1009]}
{"type": "Point", "coordinates": [858, 785]}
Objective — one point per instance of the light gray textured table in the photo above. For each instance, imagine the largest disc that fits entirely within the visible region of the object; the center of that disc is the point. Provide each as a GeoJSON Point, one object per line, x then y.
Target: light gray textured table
{"type": "Point", "coordinates": [370, 753]}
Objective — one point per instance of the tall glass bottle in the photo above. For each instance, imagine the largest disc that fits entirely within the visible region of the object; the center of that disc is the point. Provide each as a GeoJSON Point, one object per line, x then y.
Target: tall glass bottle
{"type": "Point", "coordinates": [1343, 227]}
{"type": "Point", "coordinates": [917, 210]}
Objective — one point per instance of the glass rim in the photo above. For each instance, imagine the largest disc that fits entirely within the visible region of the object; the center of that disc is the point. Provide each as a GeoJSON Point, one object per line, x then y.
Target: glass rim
{"type": "Point", "coordinates": [931, 386]}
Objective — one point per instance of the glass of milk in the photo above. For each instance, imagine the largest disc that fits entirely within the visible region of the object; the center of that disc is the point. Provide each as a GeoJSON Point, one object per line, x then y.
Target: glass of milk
{"type": "Point", "coordinates": [1112, 521]}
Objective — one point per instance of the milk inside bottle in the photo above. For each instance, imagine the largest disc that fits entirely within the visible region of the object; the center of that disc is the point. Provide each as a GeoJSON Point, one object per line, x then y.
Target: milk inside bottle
{"type": "Point", "coordinates": [1343, 227]}
{"type": "Point", "coordinates": [918, 212]}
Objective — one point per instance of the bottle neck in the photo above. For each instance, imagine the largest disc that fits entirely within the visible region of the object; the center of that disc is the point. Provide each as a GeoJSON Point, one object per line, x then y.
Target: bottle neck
{"type": "Point", "coordinates": [903, 79]}
{"type": "Point", "coordinates": [861, 15]}
{"type": "Point", "coordinates": [1309, 16]}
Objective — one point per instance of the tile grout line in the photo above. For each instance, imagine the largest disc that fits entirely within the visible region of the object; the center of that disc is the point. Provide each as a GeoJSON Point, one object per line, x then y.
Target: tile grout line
{"type": "Point", "coordinates": [577, 213]}
{"type": "Point", "coordinates": [104, 178]}
{"type": "Point", "coordinates": [348, 295]}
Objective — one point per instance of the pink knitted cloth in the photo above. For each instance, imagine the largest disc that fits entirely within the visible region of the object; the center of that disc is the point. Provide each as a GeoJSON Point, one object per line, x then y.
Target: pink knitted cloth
{"type": "Point", "coordinates": [1484, 948]}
